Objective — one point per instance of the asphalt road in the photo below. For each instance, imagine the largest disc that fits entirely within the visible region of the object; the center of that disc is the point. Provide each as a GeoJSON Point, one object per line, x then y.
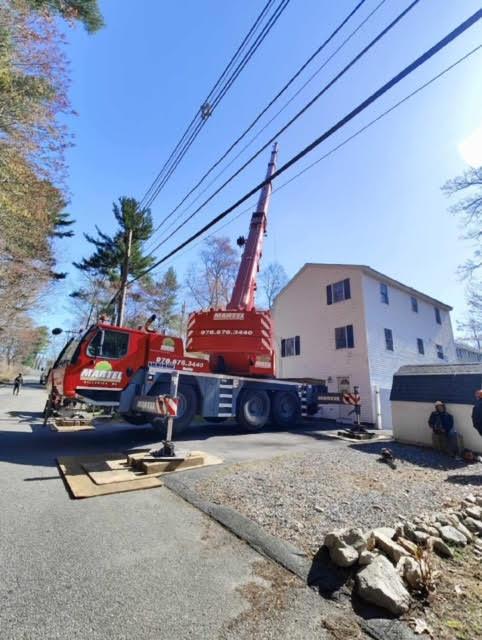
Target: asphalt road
{"type": "Point", "coordinates": [144, 564]}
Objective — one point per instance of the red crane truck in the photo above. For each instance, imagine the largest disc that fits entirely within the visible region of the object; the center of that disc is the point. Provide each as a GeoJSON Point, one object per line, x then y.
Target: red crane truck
{"type": "Point", "coordinates": [130, 370]}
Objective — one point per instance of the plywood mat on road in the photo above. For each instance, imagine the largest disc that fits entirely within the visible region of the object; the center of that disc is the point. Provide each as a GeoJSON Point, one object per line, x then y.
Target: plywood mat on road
{"type": "Point", "coordinates": [81, 484]}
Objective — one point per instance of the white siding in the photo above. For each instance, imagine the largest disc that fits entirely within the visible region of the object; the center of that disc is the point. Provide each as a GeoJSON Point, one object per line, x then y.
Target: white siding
{"type": "Point", "coordinates": [406, 327]}
{"type": "Point", "coordinates": [302, 310]}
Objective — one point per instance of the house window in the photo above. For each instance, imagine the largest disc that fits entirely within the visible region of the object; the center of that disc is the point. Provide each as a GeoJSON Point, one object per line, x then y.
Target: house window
{"type": "Point", "coordinates": [421, 349]}
{"type": "Point", "coordinates": [344, 338]}
{"type": "Point", "coordinates": [388, 340]}
{"type": "Point", "coordinates": [414, 303]}
{"type": "Point", "coordinates": [440, 351]}
{"type": "Point", "coordinates": [383, 293]}
{"type": "Point", "coordinates": [338, 291]}
{"type": "Point", "coordinates": [290, 347]}
{"type": "Point", "coordinates": [437, 316]}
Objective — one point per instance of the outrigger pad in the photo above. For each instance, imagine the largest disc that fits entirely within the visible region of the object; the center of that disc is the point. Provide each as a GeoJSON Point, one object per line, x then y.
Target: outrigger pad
{"type": "Point", "coordinates": [155, 465]}
{"type": "Point", "coordinates": [81, 484]}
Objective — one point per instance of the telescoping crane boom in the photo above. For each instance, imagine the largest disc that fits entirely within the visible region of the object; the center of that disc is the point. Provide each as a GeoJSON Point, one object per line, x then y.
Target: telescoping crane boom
{"type": "Point", "coordinates": [240, 338]}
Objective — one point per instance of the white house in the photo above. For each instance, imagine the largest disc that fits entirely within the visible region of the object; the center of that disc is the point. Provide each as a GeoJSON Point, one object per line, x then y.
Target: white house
{"type": "Point", "coordinates": [351, 325]}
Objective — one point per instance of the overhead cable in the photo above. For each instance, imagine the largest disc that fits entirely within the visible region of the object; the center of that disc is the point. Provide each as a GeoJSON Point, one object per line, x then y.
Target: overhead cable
{"type": "Point", "coordinates": [184, 145]}
{"type": "Point", "coordinates": [273, 100]}
{"type": "Point", "coordinates": [292, 120]}
{"type": "Point", "coordinates": [427, 55]}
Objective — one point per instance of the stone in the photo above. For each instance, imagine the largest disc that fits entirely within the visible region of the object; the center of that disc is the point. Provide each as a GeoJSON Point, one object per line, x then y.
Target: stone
{"type": "Point", "coordinates": [355, 538]}
{"type": "Point", "coordinates": [426, 528]}
{"type": "Point", "coordinates": [420, 537]}
{"type": "Point", "coordinates": [408, 545]}
{"type": "Point", "coordinates": [343, 555]}
{"type": "Point", "coordinates": [366, 557]}
{"type": "Point", "coordinates": [453, 536]}
{"type": "Point", "coordinates": [470, 498]}
{"type": "Point", "coordinates": [389, 532]}
{"type": "Point", "coordinates": [380, 584]}
{"type": "Point", "coordinates": [474, 525]}
{"type": "Point", "coordinates": [410, 571]}
{"type": "Point", "coordinates": [440, 547]}
{"type": "Point", "coordinates": [474, 512]}
{"type": "Point", "coordinates": [463, 530]}
{"type": "Point", "coordinates": [409, 530]}
{"type": "Point", "coordinates": [351, 537]}
{"type": "Point", "coordinates": [391, 548]}
{"type": "Point", "coordinates": [399, 530]}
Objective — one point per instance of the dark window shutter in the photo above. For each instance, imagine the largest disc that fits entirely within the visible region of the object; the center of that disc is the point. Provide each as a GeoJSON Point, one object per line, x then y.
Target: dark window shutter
{"type": "Point", "coordinates": [283, 348]}
{"type": "Point", "coordinates": [349, 337]}
{"type": "Point", "coordinates": [329, 297]}
{"type": "Point", "coordinates": [297, 346]}
{"type": "Point", "coordinates": [346, 285]}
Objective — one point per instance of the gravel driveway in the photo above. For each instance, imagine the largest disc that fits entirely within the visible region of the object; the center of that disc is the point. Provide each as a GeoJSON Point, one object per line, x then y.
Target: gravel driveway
{"type": "Point", "coordinates": [301, 497]}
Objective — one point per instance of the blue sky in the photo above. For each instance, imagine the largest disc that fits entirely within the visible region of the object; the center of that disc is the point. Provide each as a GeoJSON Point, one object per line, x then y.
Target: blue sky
{"type": "Point", "coordinates": [376, 201]}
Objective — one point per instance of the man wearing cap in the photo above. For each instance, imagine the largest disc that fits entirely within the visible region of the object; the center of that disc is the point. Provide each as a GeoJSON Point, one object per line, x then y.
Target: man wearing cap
{"type": "Point", "coordinates": [444, 436]}
{"type": "Point", "coordinates": [477, 412]}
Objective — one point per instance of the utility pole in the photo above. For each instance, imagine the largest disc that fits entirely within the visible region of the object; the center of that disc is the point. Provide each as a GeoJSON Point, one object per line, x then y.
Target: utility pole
{"type": "Point", "coordinates": [123, 287]}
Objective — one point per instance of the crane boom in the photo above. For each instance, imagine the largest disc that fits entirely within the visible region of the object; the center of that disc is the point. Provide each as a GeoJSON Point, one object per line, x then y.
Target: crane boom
{"type": "Point", "coordinates": [245, 287]}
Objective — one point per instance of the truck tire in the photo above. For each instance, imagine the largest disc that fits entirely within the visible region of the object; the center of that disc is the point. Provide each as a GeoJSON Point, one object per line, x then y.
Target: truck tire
{"type": "Point", "coordinates": [253, 409]}
{"type": "Point", "coordinates": [186, 410]}
{"type": "Point", "coordinates": [285, 408]}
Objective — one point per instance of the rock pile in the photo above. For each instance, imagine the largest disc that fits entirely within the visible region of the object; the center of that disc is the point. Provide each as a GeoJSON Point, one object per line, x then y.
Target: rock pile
{"type": "Point", "coordinates": [390, 561]}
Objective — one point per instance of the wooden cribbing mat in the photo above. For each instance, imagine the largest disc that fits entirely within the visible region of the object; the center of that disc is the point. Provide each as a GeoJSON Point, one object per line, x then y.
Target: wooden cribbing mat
{"type": "Point", "coordinates": [81, 484]}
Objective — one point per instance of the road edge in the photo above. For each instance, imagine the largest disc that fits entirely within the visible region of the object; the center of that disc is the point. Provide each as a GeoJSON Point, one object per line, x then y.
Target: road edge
{"type": "Point", "coordinates": [283, 553]}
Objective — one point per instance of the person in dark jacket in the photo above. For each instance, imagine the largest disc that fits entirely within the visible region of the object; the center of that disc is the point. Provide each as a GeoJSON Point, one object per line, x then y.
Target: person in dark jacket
{"type": "Point", "coordinates": [477, 412]}
{"type": "Point", "coordinates": [17, 383]}
{"type": "Point", "coordinates": [444, 436]}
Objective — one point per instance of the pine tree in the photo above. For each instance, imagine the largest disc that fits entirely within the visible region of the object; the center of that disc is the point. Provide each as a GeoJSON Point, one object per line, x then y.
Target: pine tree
{"type": "Point", "coordinates": [108, 257]}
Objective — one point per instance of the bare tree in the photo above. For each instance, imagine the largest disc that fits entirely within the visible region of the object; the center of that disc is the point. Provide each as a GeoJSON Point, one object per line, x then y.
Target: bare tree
{"type": "Point", "coordinates": [210, 280]}
{"type": "Point", "coordinates": [470, 329]}
{"type": "Point", "coordinates": [273, 279]}
{"type": "Point", "coordinates": [470, 211]}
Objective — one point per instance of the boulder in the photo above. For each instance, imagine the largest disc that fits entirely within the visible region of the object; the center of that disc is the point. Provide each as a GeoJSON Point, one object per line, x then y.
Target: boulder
{"type": "Point", "coordinates": [453, 536]}
{"type": "Point", "coordinates": [380, 584]}
{"type": "Point", "coordinates": [420, 537]}
{"type": "Point", "coordinates": [439, 546]}
{"type": "Point", "coordinates": [389, 532]}
{"type": "Point", "coordinates": [410, 572]}
{"type": "Point", "coordinates": [355, 538]}
{"type": "Point", "coordinates": [408, 545]}
{"type": "Point", "coordinates": [391, 548]}
{"type": "Point", "coordinates": [463, 530]}
{"type": "Point", "coordinates": [426, 528]}
{"type": "Point", "coordinates": [474, 525]}
{"type": "Point", "coordinates": [343, 555]}
{"type": "Point", "coordinates": [474, 512]}
{"type": "Point", "coordinates": [366, 557]}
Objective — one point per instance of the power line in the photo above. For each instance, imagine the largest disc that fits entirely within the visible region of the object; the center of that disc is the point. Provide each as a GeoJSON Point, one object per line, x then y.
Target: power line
{"type": "Point", "coordinates": [161, 181]}
{"type": "Point", "coordinates": [427, 55]}
{"type": "Point", "coordinates": [196, 116]}
{"type": "Point", "coordinates": [273, 100]}
{"type": "Point", "coordinates": [293, 119]}
{"type": "Point", "coordinates": [345, 141]}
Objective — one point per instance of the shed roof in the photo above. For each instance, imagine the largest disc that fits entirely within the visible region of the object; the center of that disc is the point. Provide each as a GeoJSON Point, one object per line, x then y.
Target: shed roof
{"type": "Point", "coordinates": [439, 369]}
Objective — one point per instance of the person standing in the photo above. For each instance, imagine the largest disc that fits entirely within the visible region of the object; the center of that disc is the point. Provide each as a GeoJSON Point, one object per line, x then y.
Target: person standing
{"type": "Point", "coordinates": [477, 412]}
{"type": "Point", "coordinates": [17, 383]}
{"type": "Point", "coordinates": [444, 436]}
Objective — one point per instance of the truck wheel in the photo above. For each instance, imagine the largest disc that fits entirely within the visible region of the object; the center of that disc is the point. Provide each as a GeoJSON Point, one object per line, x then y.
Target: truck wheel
{"type": "Point", "coordinates": [285, 408]}
{"type": "Point", "coordinates": [253, 408]}
{"type": "Point", "coordinates": [186, 410]}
